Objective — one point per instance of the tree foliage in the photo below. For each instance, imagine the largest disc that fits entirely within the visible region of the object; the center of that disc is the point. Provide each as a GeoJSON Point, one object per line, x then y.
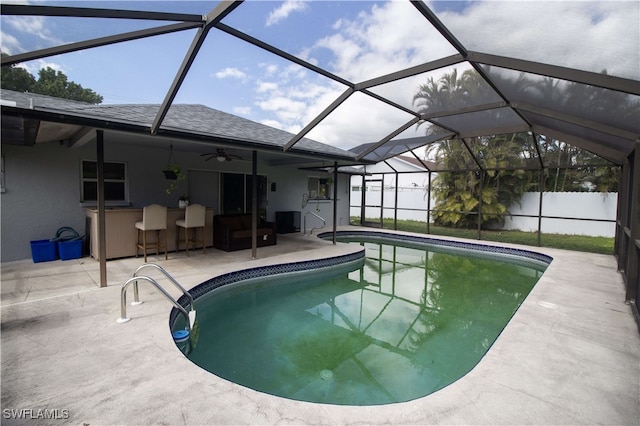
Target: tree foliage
{"type": "Point", "coordinates": [17, 79]}
{"type": "Point", "coordinates": [460, 194]}
{"type": "Point", "coordinates": [467, 187]}
{"type": "Point", "coordinates": [50, 82]}
{"type": "Point", "coordinates": [491, 173]}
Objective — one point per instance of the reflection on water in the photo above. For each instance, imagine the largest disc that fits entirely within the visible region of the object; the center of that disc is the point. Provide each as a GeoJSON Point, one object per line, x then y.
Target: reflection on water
{"type": "Point", "coordinates": [406, 323]}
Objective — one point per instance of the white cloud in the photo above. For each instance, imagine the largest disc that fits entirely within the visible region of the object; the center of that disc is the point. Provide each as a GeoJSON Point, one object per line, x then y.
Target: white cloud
{"type": "Point", "coordinates": [285, 108]}
{"type": "Point", "coordinates": [9, 44]}
{"type": "Point", "coordinates": [284, 11]}
{"type": "Point", "coordinates": [576, 34]}
{"type": "Point", "coordinates": [266, 86]}
{"type": "Point", "coordinates": [270, 69]}
{"type": "Point", "coordinates": [246, 111]}
{"type": "Point", "coordinates": [230, 73]}
{"type": "Point", "coordinates": [393, 36]}
{"type": "Point", "coordinates": [379, 41]}
{"type": "Point", "coordinates": [272, 123]}
{"type": "Point", "coordinates": [33, 25]}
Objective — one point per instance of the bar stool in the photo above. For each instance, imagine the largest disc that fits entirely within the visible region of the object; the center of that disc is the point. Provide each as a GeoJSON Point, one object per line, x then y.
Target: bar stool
{"type": "Point", "coordinates": [194, 218]}
{"type": "Point", "coordinates": [154, 218]}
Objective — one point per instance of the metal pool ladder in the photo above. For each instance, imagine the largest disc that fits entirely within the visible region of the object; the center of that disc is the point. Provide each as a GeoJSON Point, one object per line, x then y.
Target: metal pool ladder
{"type": "Point", "coordinates": [188, 316]}
{"type": "Point", "coordinates": [324, 223]}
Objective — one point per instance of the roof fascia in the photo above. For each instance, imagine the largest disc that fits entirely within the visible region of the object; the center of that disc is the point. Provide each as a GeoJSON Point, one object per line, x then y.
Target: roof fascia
{"type": "Point", "coordinates": [578, 76]}
{"type": "Point", "coordinates": [97, 42]}
{"type": "Point", "coordinates": [250, 145]}
{"type": "Point", "coordinates": [58, 116]}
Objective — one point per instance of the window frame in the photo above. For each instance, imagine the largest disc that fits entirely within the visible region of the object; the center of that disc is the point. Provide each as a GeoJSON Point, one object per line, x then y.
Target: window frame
{"type": "Point", "coordinates": [320, 188]}
{"type": "Point", "coordinates": [109, 202]}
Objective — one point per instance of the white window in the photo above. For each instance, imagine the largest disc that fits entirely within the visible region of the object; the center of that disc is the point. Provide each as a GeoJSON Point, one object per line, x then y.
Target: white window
{"type": "Point", "coordinates": [319, 188]}
{"type": "Point", "coordinates": [115, 182]}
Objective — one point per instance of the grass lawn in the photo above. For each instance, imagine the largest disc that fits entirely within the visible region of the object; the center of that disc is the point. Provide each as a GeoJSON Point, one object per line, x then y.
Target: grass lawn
{"type": "Point", "coordinates": [602, 245]}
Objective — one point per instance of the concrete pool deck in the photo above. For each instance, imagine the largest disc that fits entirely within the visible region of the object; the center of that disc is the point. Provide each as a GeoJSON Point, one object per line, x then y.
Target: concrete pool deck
{"type": "Point", "coordinates": [570, 355]}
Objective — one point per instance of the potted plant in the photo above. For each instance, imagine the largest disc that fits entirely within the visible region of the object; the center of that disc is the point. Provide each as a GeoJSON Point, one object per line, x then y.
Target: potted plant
{"type": "Point", "coordinates": [172, 172]}
{"type": "Point", "coordinates": [183, 201]}
{"type": "Point", "coordinates": [173, 183]}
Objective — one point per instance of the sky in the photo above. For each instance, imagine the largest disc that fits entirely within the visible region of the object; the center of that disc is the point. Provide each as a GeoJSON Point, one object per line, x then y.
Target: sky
{"type": "Point", "coordinates": [355, 40]}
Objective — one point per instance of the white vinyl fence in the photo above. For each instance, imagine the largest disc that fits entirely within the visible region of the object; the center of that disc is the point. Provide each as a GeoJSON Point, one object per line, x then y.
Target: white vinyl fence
{"type": "Point", "coordinates": [412, 205]}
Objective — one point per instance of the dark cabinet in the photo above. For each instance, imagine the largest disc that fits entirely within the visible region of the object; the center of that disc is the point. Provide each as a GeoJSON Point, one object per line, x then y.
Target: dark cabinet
{"type": "Point", "coordinates": [288, 222]}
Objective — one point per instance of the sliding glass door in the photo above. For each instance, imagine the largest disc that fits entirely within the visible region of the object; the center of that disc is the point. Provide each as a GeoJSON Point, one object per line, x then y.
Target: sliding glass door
{"type": "Point", "coordinates": [237, 196]}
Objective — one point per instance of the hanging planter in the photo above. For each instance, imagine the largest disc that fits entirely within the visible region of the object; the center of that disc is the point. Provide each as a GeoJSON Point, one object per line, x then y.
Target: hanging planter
{"type": "Point", "coordinates": [172, 172]}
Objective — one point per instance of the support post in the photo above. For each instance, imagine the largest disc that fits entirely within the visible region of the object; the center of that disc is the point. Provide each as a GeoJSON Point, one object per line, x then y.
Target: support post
{"type": "Point", "coordinates": [395, 205]}
{"type": "Point", "coordinates": [480, 204]}
{"type": "Point", "coordinates": [541, 188]}
{"type": "Point", "coordinates": [363, 197]}
{"type": "Point", "coordinates": [254, 204]}
{"type": "Point", "coordinates": [429, 203]}
{"type": "Point", "coordinates": [102, 233]}
{"type": "Point", "coordinates": [382, 202]}
{"type": "Point", "coordinates": [335, 200]}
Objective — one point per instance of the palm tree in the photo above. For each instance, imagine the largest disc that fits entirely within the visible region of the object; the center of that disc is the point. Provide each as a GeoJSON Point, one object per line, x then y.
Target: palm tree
{"type": "Point", "coordinates": [465, 186]}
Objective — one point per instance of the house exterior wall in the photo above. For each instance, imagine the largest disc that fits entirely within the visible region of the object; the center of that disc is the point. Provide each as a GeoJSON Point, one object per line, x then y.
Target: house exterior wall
{"type": "Point", "coordinates": [42, 187]}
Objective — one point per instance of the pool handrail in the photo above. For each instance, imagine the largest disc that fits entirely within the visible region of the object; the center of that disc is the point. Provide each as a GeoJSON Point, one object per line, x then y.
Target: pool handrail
{"type": "Point", "coordinates": [136, 297]}
{"type": "Point", "coordinates": [324, 223]}
{"type": "Point", "coordinates": [123, 299]}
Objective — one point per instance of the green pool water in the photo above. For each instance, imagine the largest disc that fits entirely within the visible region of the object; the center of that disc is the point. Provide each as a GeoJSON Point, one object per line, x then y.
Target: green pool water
{"type": "Point", "coordinates": [401, 325]}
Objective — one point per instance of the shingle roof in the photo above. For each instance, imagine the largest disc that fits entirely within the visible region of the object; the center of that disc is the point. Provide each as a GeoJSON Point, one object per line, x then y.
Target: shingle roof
{"type": "Point", "coordinates": [191, 118]}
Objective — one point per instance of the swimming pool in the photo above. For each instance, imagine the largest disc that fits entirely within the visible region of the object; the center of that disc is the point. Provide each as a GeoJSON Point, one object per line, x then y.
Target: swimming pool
{"type": "Point", "coordinates": [397, 321]}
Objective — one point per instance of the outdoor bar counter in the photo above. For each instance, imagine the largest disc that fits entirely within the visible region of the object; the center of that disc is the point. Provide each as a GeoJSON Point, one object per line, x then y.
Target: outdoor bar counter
{"type": "Point", "coordinates": [121, 232]}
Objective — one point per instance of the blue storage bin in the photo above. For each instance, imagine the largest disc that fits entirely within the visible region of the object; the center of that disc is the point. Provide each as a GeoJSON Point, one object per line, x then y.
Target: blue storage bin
{"type": "Point", "coordinates": [43, 250]}
{"type": "Point", "coordinates": [70, 249]}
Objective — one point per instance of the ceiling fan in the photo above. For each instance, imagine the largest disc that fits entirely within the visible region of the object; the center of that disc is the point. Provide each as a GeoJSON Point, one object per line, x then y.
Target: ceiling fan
{"type": "Point", "coordinates": [221, 155]}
